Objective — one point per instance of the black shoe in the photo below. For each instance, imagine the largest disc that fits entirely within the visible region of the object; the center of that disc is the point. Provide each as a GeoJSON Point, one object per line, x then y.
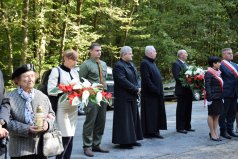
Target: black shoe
{"type": "Point", "coordinates": [126, 146]}
{"type": "Point", "coordinates": [158, 136]}
{"type": "Point", "coordinates": [192, 130]}
{"type": "Point", "coordinates": [215, 139]}
{"type": "Point", "coordinates": [210, 135]}
{"type": "Point", "coordinates": [136, 144]}
{"type": "Point", "coordinates": [182, 131]}
{"type": "Point", "coordinates": [147, 136]}
{"type": "Point", "coordinates": [225, 135]}
{"type": "Point", "coordinates": [231, 133]}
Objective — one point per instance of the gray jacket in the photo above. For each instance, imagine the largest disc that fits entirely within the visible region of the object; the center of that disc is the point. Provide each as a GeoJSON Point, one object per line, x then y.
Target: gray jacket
{"type": "Point", "coordinates": [4, 102]}
{"type": "Point", "coordinates": [21, 141]}
{"type": "Point", "coordinates": [1, 87]}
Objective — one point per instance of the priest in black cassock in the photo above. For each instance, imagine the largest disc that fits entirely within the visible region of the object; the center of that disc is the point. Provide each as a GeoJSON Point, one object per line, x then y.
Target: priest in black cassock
{"type": "Point", "coordinates": [126, 121]}
{"type": "Point", "coordinates": [153, 116]}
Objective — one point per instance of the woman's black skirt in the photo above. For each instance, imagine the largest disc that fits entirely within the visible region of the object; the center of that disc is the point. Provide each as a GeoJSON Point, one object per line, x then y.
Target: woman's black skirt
{"type": "Point", "coordinates": [215, 108]}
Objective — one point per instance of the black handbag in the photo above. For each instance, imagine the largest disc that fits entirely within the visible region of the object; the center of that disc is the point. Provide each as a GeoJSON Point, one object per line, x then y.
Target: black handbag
{"type": "Point", "coordinates": [52, 143]}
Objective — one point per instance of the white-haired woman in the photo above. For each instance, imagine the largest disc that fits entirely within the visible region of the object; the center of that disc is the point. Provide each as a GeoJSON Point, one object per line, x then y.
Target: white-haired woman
{"type": "Point", "coordinates": [25, 138]}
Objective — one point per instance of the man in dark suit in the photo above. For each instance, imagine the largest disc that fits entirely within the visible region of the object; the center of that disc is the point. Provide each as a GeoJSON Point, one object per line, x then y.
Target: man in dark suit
{"type": "Point", "coordinates": [4, 117]}
{"type": "Point", "coordinates": [184, 95]}
{"type": "Point", "coordinates": [229, 74]}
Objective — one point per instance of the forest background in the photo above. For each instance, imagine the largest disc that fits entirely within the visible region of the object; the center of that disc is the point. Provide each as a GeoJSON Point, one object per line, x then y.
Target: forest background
{"type": "Point", "coordinates": [37, 31]}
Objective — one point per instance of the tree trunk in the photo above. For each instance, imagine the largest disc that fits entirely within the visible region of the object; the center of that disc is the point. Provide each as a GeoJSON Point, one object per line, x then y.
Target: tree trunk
{"type": "Point", "coordinates": [64, 30]}
{"type": "Point", "coordinates": [63, 37]}
{"type": "Point", "coordinates": [96, 17]}
{"type": "Point", "coordinates": [41, 41]}
{"type": "Point", "coordinates": [25, 11]}
{"type": "Point", "coordinates": [9, 38]}
{"type": "Point", "coordinates": [129, 23]}
{"type": "Point", "coordinates": [34, 30]}
{"type": "Point", "coordinates": [54, 34]}
{"type": "Point", "coordinates": [79, 8]}
{"type": "Point", "coordinates": [78, 21]}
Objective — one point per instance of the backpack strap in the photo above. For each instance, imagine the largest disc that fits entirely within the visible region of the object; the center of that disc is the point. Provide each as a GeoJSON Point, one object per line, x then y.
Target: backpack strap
{"type": "Point", "coordinates": [58, 76]}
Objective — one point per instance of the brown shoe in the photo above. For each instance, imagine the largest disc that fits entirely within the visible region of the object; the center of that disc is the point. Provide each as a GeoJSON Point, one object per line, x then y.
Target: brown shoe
{"type": "Point", "coordinates": [99, 149]}
{"type": "Point", "coordinates": [88, 152]}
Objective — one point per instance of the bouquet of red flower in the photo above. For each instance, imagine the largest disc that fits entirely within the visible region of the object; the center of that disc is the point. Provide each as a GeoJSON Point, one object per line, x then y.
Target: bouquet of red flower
{"type": "Point", "coordinates": [193, 78]}
{"type": "Point", "coordinates": [82, 93]}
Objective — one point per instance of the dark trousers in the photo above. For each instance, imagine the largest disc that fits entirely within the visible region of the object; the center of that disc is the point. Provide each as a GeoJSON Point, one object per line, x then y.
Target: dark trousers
{"type": "Point", "coordinates": [184, 112]}
{"type": "Point", "coordinates": [30, 157]}
{"type": "Point", "coordinates": [68, 145]}
{"type": "Point", "coordinates": [227, 117]}
{"type": "Point", "coordinates": [94, 124]}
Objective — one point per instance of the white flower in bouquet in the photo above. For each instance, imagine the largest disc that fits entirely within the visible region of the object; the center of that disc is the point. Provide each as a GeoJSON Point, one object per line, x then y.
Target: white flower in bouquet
{"type": "Point", "coordinates": [86, 83]}
{"type": "Point", "coordinates": [76, 101]}
{"type": "Point", "coordinates": [99, 98]}
{"type": "Point", "coordinates": [77, 86]}
{"type": "Point", "coordinates": [189, 72]}
{"type": "Point", "coordinates": [199, 71]}
{"type": "Point", "coordinates": [94, 85]}
{"type": "Point", "coordinates": [85, 96]}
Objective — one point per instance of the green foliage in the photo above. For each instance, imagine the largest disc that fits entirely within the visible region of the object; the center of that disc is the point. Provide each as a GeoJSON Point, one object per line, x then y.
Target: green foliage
{"type": "Point", "coordinates": [202, 27]}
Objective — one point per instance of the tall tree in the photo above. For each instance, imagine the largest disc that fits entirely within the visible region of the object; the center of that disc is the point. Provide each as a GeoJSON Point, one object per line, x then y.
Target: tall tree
{"type": "Point", "coordinates": [25, 12]}
{"type": "Point", "coordinates": [5, 23]}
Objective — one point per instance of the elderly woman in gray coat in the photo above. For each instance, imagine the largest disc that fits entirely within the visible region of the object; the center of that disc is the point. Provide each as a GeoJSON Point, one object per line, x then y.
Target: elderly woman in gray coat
{"type": "Point", "coordinates": [25, 138]}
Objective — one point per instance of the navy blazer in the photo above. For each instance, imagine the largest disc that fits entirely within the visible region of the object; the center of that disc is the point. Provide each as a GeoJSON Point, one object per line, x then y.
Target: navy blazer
{"type": "Point", "coordinates": [230, 86]}
{"type": "Point", "coordinates": [126, 81]}
{"type": "Point", "coordinates": [177, 67]}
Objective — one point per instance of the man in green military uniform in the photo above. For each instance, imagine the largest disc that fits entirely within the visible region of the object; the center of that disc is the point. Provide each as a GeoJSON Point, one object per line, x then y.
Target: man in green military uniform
{"type": "Point", "coordinates": [94, 70]}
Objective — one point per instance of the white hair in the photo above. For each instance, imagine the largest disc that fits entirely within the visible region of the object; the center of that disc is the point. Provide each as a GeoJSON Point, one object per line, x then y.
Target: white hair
{"type": "Point", "coordinates": [149, 49]}
{"type": "Point", "coordinates": [125, 50]}
{"type": "Point", "coordinates": [180, 52]}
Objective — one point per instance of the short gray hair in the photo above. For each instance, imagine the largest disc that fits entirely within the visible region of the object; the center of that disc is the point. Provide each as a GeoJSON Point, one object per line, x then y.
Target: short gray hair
{"type": "Point", "coordinates": [180, 52]}
{"type": "Point", "coordinates": [125, 50]}
{"type": "Point", "coordinates": [225, 49]}
{"type": "Point", "coordinates": [148, 49]}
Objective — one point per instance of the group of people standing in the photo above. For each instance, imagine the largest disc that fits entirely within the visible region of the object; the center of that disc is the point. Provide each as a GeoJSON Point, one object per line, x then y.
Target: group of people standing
{"type": "Point", "coordinates": [221, 87]}
{"type": "Point", "coordinates": [129, 124]}
{"type": "Point", "coordinates": [128, 128]}
{"type": "Point", "coordinates": [221, 83]}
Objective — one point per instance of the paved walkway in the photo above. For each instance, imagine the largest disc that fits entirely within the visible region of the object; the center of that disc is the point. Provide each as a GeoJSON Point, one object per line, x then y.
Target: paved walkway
{"type": "Point", "coordinates": [194, 145]}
